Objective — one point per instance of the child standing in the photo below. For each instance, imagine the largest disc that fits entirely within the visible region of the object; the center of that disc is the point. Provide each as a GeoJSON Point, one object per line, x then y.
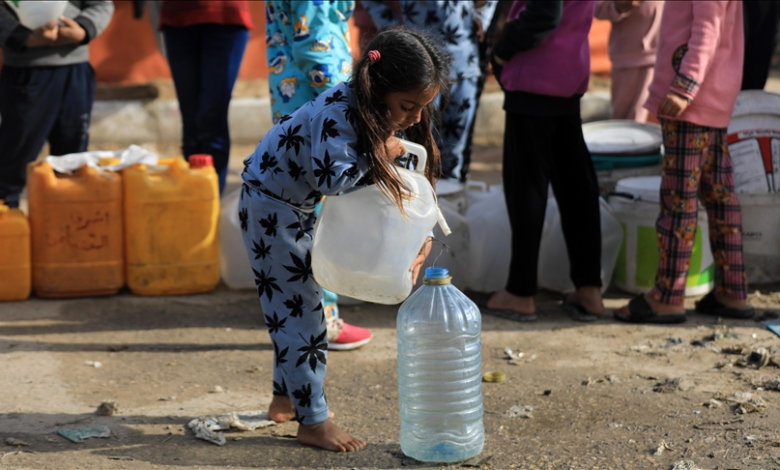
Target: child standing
{"type": "Point", "coordinates": [698, 74]}
{"type": "Point", "coordinates": [633, 42]}
{"type": "Point", "coordinates": [342, 140]}
{"type": "Point", "coordinates": [308, 54]}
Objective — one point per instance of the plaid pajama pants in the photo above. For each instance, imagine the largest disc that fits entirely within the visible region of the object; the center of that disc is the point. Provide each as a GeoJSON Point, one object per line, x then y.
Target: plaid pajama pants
{"type": "Point", "coordinates": [697, 165]}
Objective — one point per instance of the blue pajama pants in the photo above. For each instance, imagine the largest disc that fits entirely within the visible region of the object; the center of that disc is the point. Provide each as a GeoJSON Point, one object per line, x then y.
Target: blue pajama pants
{"type": "Point", "coordinates": [457, 118]}
{"type": "Point", "coordinates": [278, 240]}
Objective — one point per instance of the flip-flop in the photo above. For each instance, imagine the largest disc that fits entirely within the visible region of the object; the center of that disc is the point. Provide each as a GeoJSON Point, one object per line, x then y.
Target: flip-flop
{"type": "Point", "coordinates": [502, 313]}
{"type": "Point", "coordinates": [710, 305]}
{"type": "Point", "coordinates": [576, 311]}
{"type": "Point", "coordinates": [640, 311]}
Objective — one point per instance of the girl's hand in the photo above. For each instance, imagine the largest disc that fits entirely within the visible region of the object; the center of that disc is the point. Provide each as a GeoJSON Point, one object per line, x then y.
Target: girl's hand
{"type": "Point", "coordinates": [394, 148]}
{"type": "Point", "coordinates": [42, 36]}
{"type": "Point", "coordinates": [70, 32]}
{"type": "Point", "coordinates": [672, 105]}
{"type": "Point", "coordinates": [420, 260]}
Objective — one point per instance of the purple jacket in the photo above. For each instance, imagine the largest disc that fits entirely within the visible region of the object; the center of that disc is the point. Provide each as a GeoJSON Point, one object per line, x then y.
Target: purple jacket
{"type": "Point", "coordinates": [547, 53]}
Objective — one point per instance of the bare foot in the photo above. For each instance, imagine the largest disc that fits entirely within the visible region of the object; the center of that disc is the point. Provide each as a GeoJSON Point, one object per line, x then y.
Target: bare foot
{"type": "Point", "coordinates": [657, 306]}
{"type": "Point", "coordinates": [503, 300]}
{"type": "Point", "coordinates": [589, 298]}
{"type": "Point", "coordinates": [281, 410]}
{"type": "Point", "coordinates": [328, 436]}
{"type": "Point", "coordinates": [731, 303]}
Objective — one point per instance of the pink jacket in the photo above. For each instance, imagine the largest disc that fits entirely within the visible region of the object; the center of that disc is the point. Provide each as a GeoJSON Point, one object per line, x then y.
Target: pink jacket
{"type": "Point", "coordinates": [633, 40]}
{"type": "Point", "coordinates": [700, 56]}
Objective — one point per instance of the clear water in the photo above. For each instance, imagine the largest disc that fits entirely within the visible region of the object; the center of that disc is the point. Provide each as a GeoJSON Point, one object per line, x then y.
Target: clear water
{"type": "Point", "coordinates": [439, 375]}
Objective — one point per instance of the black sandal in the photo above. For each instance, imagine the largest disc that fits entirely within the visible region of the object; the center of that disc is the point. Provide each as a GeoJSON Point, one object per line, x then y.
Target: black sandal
{"type": "Point", "coordinates": [502, 313]}
{"type": "Point", "coordinates": [640, 311]}
{"type": "Point", "coordinates": [710, 305]}
{"type": "Point", "coordinates": [576, 311]}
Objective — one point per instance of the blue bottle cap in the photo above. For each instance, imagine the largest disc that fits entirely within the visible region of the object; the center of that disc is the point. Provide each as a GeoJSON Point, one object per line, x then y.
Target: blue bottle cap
{"type": "Point", "coordinates": [437, 276]}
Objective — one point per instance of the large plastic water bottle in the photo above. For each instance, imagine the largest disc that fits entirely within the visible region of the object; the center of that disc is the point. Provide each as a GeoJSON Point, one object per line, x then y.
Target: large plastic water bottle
{"type": "Point", "coordinates": [439, 372]}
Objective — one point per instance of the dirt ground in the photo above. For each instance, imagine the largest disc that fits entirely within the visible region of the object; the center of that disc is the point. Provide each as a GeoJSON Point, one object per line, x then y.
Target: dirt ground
{"type": "Point", "coordinates": [601, 396]}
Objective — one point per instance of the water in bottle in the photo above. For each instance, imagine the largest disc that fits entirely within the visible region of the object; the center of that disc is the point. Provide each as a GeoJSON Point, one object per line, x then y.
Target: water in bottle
{"type": "Point", "coordinates": [439, 372]}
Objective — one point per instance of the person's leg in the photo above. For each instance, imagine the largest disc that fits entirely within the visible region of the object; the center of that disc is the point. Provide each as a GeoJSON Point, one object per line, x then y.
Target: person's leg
{"type": "Point", "coordinates": [70, 132]}
{"type": "Point", "coordinates": [456, 121]}
{"type": "Point", "coordinates": [293, 314]}
{"type": "Point", "coordinates": [183, 48]}
{"type": "Point", "coordinates": [760, 21]}
{"type": "Point", "coordinates": [221, 55]}
{"type": "Point", "coordinates": [630, 89]}
{"type": "Point", "coordinates": [576, 189]}
{"type": "Point", "coordinates": [525, 174]}
{"type": "Point", "coordinates": [29, 105]}
{"type": "Point", "coordinates": [685, 145]}
{"type": "Point", "coordinates": [725, 222]}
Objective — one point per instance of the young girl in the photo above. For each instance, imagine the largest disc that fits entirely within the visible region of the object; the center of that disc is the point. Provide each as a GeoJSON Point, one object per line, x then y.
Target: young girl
{"type": "Point", "coordinates": [342, 140]}
{"type": "Point", "coordinates": [698, 74]}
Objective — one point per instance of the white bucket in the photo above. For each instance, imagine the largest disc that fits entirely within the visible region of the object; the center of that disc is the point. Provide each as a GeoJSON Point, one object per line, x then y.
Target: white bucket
{"type": "Point", "coordinates": [454, 193]}
{"type": "Point", "coordinates": [455, 256]}
{"type": "Point", "coordinates": [490, 246]}
{"type": "Point", "coordinates": [635, 203]}
{"type": "Point", "coordinates": [761, 237]}
{"type": "Point", "coordinates": [754, 142]}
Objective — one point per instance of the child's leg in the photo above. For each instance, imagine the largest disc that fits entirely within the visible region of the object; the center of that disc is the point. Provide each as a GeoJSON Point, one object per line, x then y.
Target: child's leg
{"type": "Point", "coordinates": [685, 146]}
{"type": "Point", "coordinates": [630, 89]}
{"type": "Point", "coordinates": [456, 122]}
{"type": "Point", "coordinates": [724, 217]}
{"type": "Point", "coordinates": [70, 132]}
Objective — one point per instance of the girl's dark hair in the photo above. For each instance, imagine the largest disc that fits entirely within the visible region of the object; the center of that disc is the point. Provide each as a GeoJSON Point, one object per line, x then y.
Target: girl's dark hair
{"type": "Point", "coordinates": [410, 60]}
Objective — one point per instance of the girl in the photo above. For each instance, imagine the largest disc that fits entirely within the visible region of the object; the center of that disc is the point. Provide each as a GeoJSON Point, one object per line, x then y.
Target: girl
{"type": "Point", "coordinates": [342, 140]}
{"type": "Point", "coordinates": [697, 78]}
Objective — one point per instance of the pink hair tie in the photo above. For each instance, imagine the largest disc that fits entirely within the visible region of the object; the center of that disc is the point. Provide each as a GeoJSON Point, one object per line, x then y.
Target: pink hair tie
{"type": "Point", "coordinates": [374, 56]}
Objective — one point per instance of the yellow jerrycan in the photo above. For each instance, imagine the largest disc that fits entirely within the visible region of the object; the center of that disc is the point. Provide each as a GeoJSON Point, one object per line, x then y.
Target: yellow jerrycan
{"type": "Point", "coordinates": [171, 222]}
{"type": "Point", "coordinates": [76, 227]}
{"type": "Point", "coordinates": [15, 270]}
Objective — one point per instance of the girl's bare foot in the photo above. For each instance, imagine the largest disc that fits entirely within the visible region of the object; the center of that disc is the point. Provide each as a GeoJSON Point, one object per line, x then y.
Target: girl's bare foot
{"type": "Point", "coordinates": [328, 436]}
{"type": "Point", "coordinates": [503, 300]}
{"type": "Point", "coordinates": [281, 409]}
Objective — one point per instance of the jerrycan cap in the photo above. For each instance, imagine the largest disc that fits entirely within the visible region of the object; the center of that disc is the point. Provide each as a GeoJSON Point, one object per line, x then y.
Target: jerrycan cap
{"type": "Point", "coordinates": [437, 276]}
{"type": "Point", "coordinates": [201, 160]}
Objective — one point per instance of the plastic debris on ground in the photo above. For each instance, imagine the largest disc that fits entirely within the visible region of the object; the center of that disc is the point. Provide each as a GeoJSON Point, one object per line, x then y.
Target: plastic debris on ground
{"type": "Point", "coordinates": [667, 386]}
{"type": "Point", "coordinates": [518, 358]}
{"type": "Point", "coordinates": [766, 317]}
{"type": "Point", "coordinates": [712, 404]}
{"type": "Point", "coordinates": [95, 364]}
{"type": "Point", "coordinates": [107, 408]}
{"type": "Point", "coordinates": [662, 447]}
{"type": "Point", "coordinates": [520, 411]}
{"type": "Point", "coordinates": [121, 457]}
{"type": "Point", "coordinates": [209, 428]}
{"type": "Point", "coordinates": [12, 441]}
{"type": "Point", "coordinates": [746, 402]}
{"type": "Point", "coordinates": [685, 465]}
{"type": "Point", "coordinates": [773, 326]}
{"type": "Point", "coordinates": [78, 435]}
{"type": "Point", "coordinates": [73, 161]}
{"type": "Point", "coordinates": [606, 378]}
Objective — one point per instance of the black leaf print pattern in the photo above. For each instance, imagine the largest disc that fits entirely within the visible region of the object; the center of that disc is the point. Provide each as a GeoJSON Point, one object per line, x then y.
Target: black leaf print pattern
{"type": "Point", "coordinates": [472, 58]}
{"type": "Point", "coordinates": [410, 12]}
{"type": "Point", "coordinates": [328, 129]}
{"type": "Point", "coordinates": [301, 270]}
{"type": "Point", "coordinates": [349, 115]}
{"type": "Point", "coordinates": [291, 139]}
{"type": "Point", "coordinates": [247, 191]}
{"type": "Point", "coordinates": [295, 305]}
{"type": "Point", "coordinates": [301, 232]}
{"type": "Point", "coordinates": [274, 324]}
{"type": "Point", "coordinates": [465, 105]}
{"type": "Point", "coordinates": [321, 310]}
{"type": "Point", "coordinates": [296, 171]}
{"type": "Point", "coordinates": [451, 34]}
{"type": "Point", "coordinates": [248, 161]}
{"type": "Point", "coordinates": [459, 76]}
{"type": "Point", "coordinates": [269, 163]}
{"type": "Point", "coordinates": [304, 396]}
{"type": "Point", "coordinates": [285, 118]}
{"type": "Point", "coordinates": [387, 14]}
{"type": "Point", "coordinates": [313, 351]}
{"type": "Point", "coordinates": [431, 18]}
{"type": "Point", "coordinates": [280, 389]}
{"type": "Point", "coordinates": [261, 251]}
{"type": "Point", "coordinates": [336, 97]}
{"type": "Point", "coordinates": [453, 127]}
{"type": "Point", "coordinates": [270, 224]}
{"type": "Point", "coordinates": [280, 355]}
{"type": "Point", "coordinates": [324, 172]}
{"type": "Point", "coordinates": [316, 195]}
{"type": "Point", "coordinates": [352, 171]}
{"type": "Point", "coordinates": [266, 284]}
{"type": "Point", "coordinates": [243, 216]}
{"type": "Point", "coordinates": [464, 11]}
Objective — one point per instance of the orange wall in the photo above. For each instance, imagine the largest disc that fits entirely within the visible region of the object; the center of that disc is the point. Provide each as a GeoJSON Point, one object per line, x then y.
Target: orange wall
{"type": "Point", "coordinates": [126, 52]}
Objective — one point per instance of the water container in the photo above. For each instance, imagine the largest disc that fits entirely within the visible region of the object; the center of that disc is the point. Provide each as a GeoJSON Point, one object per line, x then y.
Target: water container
{"type": "Point", "coordinates": [456, 253]}
{"type": "Point", "coordinates": [490, 240]}
{"type": "Point", "coordinates": [363, 244]}
{"type": "Point", "coordinates": [37, 13]}
{"type": "Point", "coordinates": [439, 372]}
{"type": "Point", "coordinates": [76, 224]}
{"type": "Point", "coordinates": [234, 264]}
{"type": "Point", "coordinates": [15, 271]}
{"type": "Point", "coordinates": [171, 217]}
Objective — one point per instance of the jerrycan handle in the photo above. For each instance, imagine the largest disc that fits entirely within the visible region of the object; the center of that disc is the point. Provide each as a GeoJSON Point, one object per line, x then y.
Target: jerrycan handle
{"type": "Point", "coordinates": [422, 159]}
{"type": "Point", "coordinates": [419, 150]}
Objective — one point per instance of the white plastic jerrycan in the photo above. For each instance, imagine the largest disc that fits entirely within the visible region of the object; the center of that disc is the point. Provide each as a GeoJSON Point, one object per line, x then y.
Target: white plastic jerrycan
{"type": "Point", "coordinates": [363, 244]}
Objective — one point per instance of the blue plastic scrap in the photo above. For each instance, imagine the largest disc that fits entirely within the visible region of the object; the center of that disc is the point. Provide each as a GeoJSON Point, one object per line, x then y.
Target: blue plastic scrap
{"type": "Point", "coordinates": [78, 435]}
{"type": "Point", "coordinates": [773, 326]}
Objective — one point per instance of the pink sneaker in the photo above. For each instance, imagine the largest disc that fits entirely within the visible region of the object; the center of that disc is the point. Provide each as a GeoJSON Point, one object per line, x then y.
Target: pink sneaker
{"type": "Point", "coordinates": [346, 336]}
